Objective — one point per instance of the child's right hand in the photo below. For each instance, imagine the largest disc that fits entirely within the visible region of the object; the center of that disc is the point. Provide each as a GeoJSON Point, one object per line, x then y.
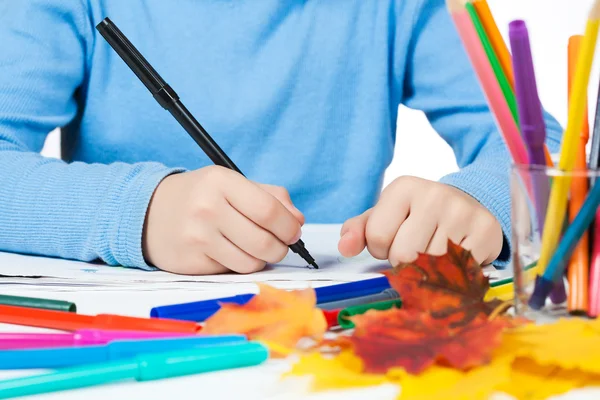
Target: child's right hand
{"type": "Point", "coordinates": [214, 220]}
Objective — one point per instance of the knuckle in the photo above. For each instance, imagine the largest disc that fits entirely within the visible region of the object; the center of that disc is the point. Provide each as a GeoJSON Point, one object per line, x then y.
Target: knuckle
{"type": "Point", "coordinates": [490, 226]}
{"type": "Point", "coordinates": [268, 213]}
{"type": "Point", "coordinates": [264, 245]}
{"type": "Point", "coordinates": [406, 181]}
{"type": "Point", "coordinates": [212, 172]}
{"type": "Point", "coordinates": [376, 239]}
{"type": "Point", "coordinates": [281, 192]}
{"type": "Point", "coordinates": [204, 211]}
{"type": "Point", "coordinates": [194, 238]}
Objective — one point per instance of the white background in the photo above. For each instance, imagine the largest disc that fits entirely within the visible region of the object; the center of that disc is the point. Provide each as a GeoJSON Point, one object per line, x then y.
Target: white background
{"type": "Point", "coordinates": [420, 152]}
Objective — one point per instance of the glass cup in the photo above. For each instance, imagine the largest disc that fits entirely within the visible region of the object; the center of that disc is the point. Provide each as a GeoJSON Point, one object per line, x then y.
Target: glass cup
{"type": "Point", "coordinates": [531, 187]}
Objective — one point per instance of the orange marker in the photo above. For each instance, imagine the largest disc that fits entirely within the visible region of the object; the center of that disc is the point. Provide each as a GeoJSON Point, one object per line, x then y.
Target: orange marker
{"type": "Point", "coordinates": [579, 264]}
{"type": "Point", "coordinates": [67, 321]}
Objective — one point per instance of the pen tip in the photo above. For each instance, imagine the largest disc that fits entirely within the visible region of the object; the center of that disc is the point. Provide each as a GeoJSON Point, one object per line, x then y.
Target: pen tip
{"type": "Point", "coordinates": [314, 265]}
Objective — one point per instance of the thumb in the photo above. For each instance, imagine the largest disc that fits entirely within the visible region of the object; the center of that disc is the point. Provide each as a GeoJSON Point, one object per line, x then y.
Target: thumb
{"type": "Point", "coordinates": [352, 240]}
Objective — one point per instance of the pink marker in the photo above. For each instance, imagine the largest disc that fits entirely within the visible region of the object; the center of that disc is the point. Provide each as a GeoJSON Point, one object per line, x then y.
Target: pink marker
{"type": "Point", "coordinates": [13, 341]}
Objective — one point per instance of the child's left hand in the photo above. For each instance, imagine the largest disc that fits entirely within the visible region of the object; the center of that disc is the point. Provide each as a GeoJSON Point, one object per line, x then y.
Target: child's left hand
{"type": "Point", "coordinates": [416, 215]}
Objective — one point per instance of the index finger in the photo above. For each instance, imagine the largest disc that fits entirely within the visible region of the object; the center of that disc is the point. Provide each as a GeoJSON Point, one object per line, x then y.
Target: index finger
{"type": "Point", "coordinates": [263, 209]}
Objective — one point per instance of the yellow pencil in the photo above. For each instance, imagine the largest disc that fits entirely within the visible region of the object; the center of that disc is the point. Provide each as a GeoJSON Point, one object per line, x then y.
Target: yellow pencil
{"type": "Point", "coordinates": [557, 206]}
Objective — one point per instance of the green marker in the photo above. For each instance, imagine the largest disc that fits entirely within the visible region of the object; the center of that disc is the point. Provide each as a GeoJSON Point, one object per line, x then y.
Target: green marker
{"type": "Point", "coordinates": [32, 302]}
{"type": "Point", "coordinates": [142, 368]}
{"type": "Point", "coordinates": [344, 315]}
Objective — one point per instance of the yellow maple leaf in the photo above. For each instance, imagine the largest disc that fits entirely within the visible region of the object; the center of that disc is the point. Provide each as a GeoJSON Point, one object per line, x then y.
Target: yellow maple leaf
{"type": "Point", "coordinates": [532, 381]}
{"type": "Point", "coordinates": [340, 372]}
{"type": "Point", "coordinates": [275, 316]}
{"type": "Point", "coordinates": [439, 382]}
{"type": "Point", "coordinates": [565, 343]}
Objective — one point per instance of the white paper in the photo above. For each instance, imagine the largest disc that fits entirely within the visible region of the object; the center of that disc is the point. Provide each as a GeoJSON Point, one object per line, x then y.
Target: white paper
{"type": "Point", "coordinates": [320, 240]}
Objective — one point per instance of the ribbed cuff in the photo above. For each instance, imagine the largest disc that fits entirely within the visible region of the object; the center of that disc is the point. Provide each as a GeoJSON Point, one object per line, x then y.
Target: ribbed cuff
{"type": "Point", "coordinates": [134, 198]}
{"type": "Point", "coordinates": [492, 190]}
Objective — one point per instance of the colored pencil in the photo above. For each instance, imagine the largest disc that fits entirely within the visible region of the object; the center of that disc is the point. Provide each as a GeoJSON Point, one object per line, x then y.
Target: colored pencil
{"type": "Point", "coordinates": [499, 72]}
{"type": "Point", "coordinates": [578, 269]}
{"type": "Point", "coordinates": [487, 79]}
{"type": "Point", "coordinates": [558, 263]}
{"type": "Point", "coordinates": [594, 289]}
{"type": "Point", "coordinates": [560, 187]}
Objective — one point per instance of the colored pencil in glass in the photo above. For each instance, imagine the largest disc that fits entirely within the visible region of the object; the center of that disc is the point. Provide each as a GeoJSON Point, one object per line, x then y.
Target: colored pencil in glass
{"type": "Point", "coordinates": [594, 280]}
{"type": "Point", "coordinates": [560, 187]}
{"type": "Point", "coordinates": [578, 269]}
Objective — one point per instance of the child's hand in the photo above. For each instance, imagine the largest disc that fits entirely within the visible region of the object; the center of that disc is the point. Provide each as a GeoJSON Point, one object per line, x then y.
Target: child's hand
{"type": "Point", "coordinates": [415, 215]}
{"type": "Point", "coordinates": [214, 220]}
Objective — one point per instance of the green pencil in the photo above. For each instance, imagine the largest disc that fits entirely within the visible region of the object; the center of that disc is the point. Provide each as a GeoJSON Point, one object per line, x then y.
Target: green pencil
{"type": "Point", "coordinates": [507, 89]}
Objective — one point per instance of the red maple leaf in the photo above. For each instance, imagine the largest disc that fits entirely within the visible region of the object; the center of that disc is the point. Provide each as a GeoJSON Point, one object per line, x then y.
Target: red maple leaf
{"type": "Point", "coordinates": [415, 340]}
{"type": "Point", "coordinates": [450, 287]}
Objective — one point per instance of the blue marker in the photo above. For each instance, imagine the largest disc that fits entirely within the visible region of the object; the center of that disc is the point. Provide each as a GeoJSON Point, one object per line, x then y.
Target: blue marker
{"type": "Point", "coordinates": [58, 357]}
{"type": "Point", "coordinates": [329, 294]}
{"type": "Point", "coordinates": [201, 310]}
{"type": "Point", "coordinates": [558, 263]}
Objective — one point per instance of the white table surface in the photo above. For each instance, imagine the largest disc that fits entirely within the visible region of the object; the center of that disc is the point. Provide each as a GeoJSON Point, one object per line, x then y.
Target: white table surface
{"type": "Point", "coordinates": [260, 382]}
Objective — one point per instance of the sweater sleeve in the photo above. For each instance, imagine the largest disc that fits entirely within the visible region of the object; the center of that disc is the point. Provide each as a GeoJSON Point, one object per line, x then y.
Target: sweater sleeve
{"type": "Point", "coordinates": [440, 81]}
{"type": "Point", "coordinates": [48, 207]}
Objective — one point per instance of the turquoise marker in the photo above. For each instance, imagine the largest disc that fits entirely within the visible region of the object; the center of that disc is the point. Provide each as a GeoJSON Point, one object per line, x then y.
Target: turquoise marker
{"type": "Point", "coordinates": [142, 368]}
{"type": "Point", "coordinates": [60, 357]}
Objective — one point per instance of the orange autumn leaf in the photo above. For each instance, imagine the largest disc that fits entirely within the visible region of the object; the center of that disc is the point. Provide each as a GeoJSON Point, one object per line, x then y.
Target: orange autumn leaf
{"type": "Point", "coordinates": [274, 316]}
{"type": "Point", "coordinates": [449, 286]}
{"type": "Point", "coordinates": [414, 341]}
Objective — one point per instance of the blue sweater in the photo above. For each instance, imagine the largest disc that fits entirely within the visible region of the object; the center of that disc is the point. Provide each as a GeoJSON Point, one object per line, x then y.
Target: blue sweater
{"type": "Point", "coordinates": [299, 93]}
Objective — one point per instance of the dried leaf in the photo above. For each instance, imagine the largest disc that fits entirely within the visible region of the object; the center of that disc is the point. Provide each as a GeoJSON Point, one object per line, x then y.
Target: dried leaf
{"type": "Point", "coordinates": [450, 384]}
{"type": "Point", "coordinates": [341, 372]}
{"type": "Point", "coordinates": [414, 341]}
{"type": "Point", "coordinates": [449, 286]}
{"type": "Point", "coordinates": [565, 343]}
{"type": "Point", "coordinates": [532, 381]}
{"type": "Point", "coordinates": [275, 316]}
